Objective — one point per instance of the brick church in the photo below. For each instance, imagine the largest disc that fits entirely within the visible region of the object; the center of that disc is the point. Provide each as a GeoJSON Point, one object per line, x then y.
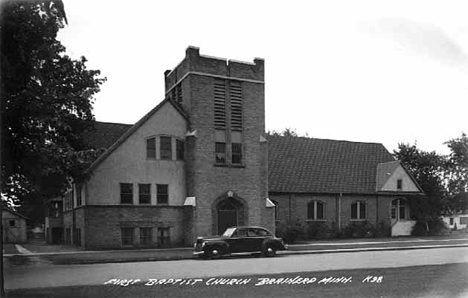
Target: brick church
{"type": "Point", "coordinates": [200, 161]}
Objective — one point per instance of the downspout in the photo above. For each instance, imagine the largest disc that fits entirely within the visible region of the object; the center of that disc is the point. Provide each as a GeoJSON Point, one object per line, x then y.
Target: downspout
{"type": "Point", "coordinates": [339, 211]}
{"type": "Point", "coordinates": [289, 215]}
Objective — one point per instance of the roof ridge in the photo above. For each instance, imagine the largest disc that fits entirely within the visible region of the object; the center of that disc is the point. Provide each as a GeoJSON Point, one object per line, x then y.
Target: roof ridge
{"type": "Point", "coordinates": [322, 139]}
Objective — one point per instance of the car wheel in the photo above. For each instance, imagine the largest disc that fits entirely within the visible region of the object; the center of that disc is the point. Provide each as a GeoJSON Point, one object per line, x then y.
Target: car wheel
{"type": "Point", "coordinates": [270, 251]}
{"type": "Point", "coordinates": [214, 253]}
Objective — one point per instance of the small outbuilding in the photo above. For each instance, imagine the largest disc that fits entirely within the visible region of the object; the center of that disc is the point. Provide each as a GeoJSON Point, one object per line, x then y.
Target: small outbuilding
{"type": "Point", "coordinates": [14, 226]}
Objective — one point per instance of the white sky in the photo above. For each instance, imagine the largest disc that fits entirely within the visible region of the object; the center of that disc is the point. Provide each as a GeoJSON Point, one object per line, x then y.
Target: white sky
{"type": "Point", "coordinates": [370, 71]}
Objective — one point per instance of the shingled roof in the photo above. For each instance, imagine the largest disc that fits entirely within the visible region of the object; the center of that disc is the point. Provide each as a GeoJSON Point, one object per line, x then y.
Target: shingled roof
{"type": "Point", "coordinates": [104, 134]}
{"type": "Point", "coordinates": [297, 164]}
{"type": "Point", "coordinates": [308, 165]}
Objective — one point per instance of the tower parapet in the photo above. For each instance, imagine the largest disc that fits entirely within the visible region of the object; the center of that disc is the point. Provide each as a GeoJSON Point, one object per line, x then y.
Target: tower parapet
{"type": "Point", "coordinates": [194, 63]}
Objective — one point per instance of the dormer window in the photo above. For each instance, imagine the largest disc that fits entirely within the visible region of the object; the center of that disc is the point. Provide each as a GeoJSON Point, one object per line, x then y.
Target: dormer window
{"type": "Point", "coordinates": [399, 184]}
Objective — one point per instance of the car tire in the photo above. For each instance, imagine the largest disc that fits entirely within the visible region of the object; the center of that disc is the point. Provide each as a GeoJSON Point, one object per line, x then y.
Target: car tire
{"type": "Point", "coordinates": [270, 251]}
{"type": "Point", "coordinates": [213, 253]}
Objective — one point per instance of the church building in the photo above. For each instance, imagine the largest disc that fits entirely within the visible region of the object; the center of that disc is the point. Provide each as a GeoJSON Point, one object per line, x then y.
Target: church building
{"type": "Point", "coordinates": [199, 162]}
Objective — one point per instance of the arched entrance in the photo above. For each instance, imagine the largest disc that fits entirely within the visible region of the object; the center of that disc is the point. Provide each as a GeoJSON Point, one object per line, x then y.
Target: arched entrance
{"type": "Point", "coordinates": [399, 210]}
{"type": "Point", "coordinates": [228, 212]}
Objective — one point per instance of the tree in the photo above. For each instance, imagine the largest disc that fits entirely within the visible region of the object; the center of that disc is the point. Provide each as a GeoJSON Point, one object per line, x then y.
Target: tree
{"type": "Point", "coordinates": [457, 175]}
{"type": "Point", "coordinates": [427, 168]}
{"type": "Point", "coordinates": [46, 103]}
{"type": "Point", "coordinates": [287, 132]}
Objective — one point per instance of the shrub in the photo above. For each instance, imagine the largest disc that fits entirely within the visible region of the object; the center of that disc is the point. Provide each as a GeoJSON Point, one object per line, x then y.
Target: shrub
{"type": "Point", "coordinates": [359, 230]}
{"type": "Point", "coordinates": [317, 230]}
{"type": "Point", "coordinates": [290, 231]}
{"type": "Point", "coordinates": [431, 227]}
{"type": "Point", "coordinates": [383, 230]}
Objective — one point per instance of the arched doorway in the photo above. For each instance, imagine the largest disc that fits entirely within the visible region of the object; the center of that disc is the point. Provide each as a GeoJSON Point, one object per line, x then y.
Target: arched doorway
{"type": "Point", "coordinates": [229, 213]}
{"type": "Point", "coordinates": [399, 210]}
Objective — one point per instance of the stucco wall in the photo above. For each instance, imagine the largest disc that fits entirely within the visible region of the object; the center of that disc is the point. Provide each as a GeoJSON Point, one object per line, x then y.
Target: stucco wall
{"type": "Point", "coordinates": [400, 173]}
{"type": "Point", "coordinates": [129, 164]}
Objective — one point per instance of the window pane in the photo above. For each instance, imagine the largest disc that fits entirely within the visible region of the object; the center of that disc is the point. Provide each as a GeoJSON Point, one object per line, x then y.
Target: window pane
{"type": "Point", "coordinates": [127, 236]}
{"type": "Point", "coordinates": [162, 194]}
{"type": "Point", "coordinates": [311, 210]}
{"type": "Point", "coordinates": [151, 148]}
{"type": "Point", "coordinates": [126, 193]}
{"type": "Point", "coordinates": [166, 147]}
{"type": "Point", "coordinates": [220, 152]}
{"type": "Point", "coordinates": [236, 153]}
{"type": "Point", "coordinates": [393, 212]}
{"type": "Point", "coordinates": [145, 236]}
{"type": "Point", "coordinates": [362, 210]}
{"type": "Point", "coordinates": [144, 191]}
{"type": "Point", "coordinates": [163, 236]}
{"type": "Point", "coordinates": [354, 210]}
{"type": "Point", "coordinates": [180, 149]}
{"type": "Point", "coordinates": [320, 210]}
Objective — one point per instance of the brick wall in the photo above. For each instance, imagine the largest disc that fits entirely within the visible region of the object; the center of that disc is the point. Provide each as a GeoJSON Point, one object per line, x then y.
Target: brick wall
{"type": "Point", "coordinates": [207, 182]}
{"type": "Point", "coordinates": [104, 223]}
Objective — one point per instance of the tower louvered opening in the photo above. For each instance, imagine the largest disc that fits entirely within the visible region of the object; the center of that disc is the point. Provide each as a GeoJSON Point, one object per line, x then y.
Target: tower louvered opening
{"type": "Point", "coordinates": [220, 104]}
{"type": "Point", "coordinates": [236, 105]}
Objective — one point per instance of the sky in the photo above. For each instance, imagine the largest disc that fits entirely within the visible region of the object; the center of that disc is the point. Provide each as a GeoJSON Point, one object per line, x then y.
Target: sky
{"type": "Point", "coordinates": [375, 71]}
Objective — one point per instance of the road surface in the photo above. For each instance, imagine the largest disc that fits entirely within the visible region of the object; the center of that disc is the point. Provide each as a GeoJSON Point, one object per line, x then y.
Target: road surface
{"type": "Point", "coordinates": [98, 274]}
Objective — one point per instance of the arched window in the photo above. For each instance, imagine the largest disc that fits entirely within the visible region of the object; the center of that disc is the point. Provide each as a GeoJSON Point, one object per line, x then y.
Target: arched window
{"type": "Point", "coordinates": [358, 210]}
{"type": "Point", "coordinates": [315, 210]}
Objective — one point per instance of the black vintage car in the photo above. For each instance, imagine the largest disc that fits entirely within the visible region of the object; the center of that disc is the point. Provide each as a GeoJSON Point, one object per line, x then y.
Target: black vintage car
{"type": "Point", "coordinates": [239, 240]}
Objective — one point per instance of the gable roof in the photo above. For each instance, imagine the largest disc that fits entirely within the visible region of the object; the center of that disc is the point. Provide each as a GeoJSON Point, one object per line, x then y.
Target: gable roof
{"type": "Point", "coordinates": [385, 171]}
{"type": "Point", "coordinates": [129, 131]}
{"type": "Point", "coordinates": [309, 165]}
{"type": "Point", "coordinates": [14, 212]}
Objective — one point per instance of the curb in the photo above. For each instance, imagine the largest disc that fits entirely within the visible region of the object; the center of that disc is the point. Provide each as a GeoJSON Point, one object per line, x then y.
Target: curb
{"type": "Point", "coordinates": [182, 257]}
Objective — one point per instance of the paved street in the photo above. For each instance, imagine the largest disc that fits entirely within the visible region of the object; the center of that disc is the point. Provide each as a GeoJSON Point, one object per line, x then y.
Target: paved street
{"type": "Point", "coordinates": [97, 274]}
{"type": "Point", "coordinates": [448, 280]}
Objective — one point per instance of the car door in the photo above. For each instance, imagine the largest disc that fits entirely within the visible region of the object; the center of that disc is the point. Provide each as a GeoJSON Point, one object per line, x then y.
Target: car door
{"type": "Point", "coordinates": [237, 242]}
{"type": "Point", "coordinates": [256, 238]}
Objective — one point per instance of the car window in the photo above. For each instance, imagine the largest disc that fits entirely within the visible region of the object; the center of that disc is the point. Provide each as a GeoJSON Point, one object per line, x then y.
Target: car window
{"type": "Point", "coordinates": [240, 233]}
{"type": "Point", "coordinates": [258, 233]}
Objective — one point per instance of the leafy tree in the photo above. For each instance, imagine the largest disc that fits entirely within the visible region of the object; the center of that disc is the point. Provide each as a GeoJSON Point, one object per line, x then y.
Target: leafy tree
{"type": "Point", "coordinates": [427, 168]}
{"type": "Point", "coordinates": [46, 103]}
{"type": "Point", "coordinates": [457, 175]}
{"type": "Point", "coordinates": [287, 132]}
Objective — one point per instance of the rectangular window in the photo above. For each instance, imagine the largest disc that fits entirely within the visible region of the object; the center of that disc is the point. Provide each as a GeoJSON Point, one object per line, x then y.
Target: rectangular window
{"type": "Point", "coordinates": [68, 236]}
{"type": "Point", "coordinates": [78, 195]}
{"type": "Point", "coordinates": [451, 221]}
{"type": "Point", "coordinates": [220, 152]}
{"type": "Point", "coordinates": [151, 148]}
{"type": "Point", "coordinates": [362, 210]}
{"type": "Point", "coordinates": [166, 147]}
{"type": "Point", "coordinates": [144, 192]}
{"type": "Point", "coordinates": [237, 153]}
{"type": "Point", "coordinates": [180, 149]}
{"type": "Point", "coordinates": [145, 236]}
{"type": "Point", "coordinates": [127, 236]}
{"type": "Point", "coordinates": [126, 193]}
{"type": "Point", "coordinates": [399, 184]}
{"type": "Point", "coordinates": [162, 193]}
{"type": "Point", "coordinates": [235, 93]}
{"type": "Point", "coordinates": [12, 223]}
{"type": "Point", "coordinates": [354, 213]}
{"type": "Point", "coordinates": [463, 220]}
{"type": "Point", "coordinates": [320, 210]}
{"type": "Point", "coordinates": [393, 212]}
{"type": "Point", "coordinates": [220, 104]}
{"type": "Point", "coordinates": [164, 237]}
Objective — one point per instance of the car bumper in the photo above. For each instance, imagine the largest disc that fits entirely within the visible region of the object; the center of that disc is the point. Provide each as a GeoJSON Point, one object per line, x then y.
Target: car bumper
{"type": "Point", "coordinates": [198, 253]}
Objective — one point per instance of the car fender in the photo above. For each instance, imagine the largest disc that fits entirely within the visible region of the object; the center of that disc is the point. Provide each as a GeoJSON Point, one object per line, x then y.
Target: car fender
{"type": "Point", "coordinates": [272, 242]}
{"type": "Point", "coordinates": [224, 246]}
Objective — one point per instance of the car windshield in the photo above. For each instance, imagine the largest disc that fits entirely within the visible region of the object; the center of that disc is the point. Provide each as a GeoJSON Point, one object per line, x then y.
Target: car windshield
{"type": "Point", "coordinates": [228, 232]}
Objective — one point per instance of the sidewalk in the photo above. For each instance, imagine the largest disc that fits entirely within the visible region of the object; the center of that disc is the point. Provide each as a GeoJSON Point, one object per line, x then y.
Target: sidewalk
{"type": "Point", "coordinates": [42, 253]}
